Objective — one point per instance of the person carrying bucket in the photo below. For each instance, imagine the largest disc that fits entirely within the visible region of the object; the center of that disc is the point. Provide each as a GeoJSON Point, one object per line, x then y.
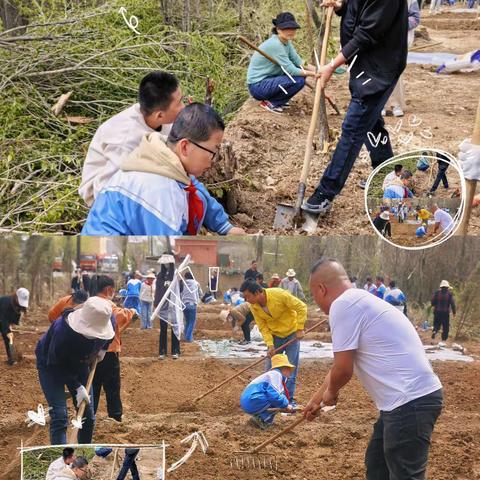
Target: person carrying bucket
{"type": "Point", "coordinates": [268, 391]}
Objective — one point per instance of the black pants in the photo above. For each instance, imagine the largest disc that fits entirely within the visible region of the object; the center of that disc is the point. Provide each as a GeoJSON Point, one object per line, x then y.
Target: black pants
{"type": "Point", "coordinates": [129, 464]}
{"type": "Point", "coordinates": [8, 346]}
{"type": "Point", "coordinates": [107, 375]}
{"type": "Point", "coordinates": [164, 340]}
{"type": "Point", "coordinates": [441, 320]}
{"type": "Point", "coordinates": [400, 443]}
{"type": "Point", "coordinates": [441, 176]}
{"type": "Point", "coordinates": [383, 226]}
{"type": "Point", "coordinates": [246, 326]}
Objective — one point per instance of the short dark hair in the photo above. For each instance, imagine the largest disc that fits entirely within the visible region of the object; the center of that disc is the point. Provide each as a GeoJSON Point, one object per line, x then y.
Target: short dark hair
{"type": "Point", "coordinates": [104, 281]}
{"type": "Point", "coordinates": [379, 278]}
{"type": "Point", "coordinates": [156, 90]}
{"type": "Point", "coordinates": [196, 122]}
{"type": "Point", "coordinates": [369, 279]}
{"type": "Point", "coordinates": [392, 284]}
{"type": "Point", "coordinates": [251, 286]}
{"type": "Point", "coordinates": [254, 261]}
{"type": "Point", "coordinates": [79, 462]}
{"type": "Point", "coordinates": [321, 261]}
{"type": "Point", "coordinates": [398, 168]}
{"type": "Point", "coordinates": [67, 452]}
{"type": "Point", "coordinates": [259, 276]}
{"type": "Point", "coordinates": [79, 296]}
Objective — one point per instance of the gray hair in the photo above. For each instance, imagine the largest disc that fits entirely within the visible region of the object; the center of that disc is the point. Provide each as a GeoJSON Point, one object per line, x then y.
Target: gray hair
{"type": "Point", "coordinates": [79, 462]}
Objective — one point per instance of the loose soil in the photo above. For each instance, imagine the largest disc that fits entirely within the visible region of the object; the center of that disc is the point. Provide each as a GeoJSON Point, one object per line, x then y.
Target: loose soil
{"type": "Point", "coordinates": [157, 399]}
{"type": "Point", "coordinates": [270, 148]}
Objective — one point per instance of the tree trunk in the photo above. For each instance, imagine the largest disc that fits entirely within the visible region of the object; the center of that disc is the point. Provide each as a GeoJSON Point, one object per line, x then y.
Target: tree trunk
{"type": "Point", "coordinates": [240, 12]}
{"type": "Point", "coordinates": [186, 16]}
{"type": "Point", "coordinates": [11, 16]}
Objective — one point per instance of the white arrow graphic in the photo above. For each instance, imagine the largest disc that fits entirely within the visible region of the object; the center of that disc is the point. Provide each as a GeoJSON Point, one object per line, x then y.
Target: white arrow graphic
{"type": "Point", "coordinates": [132, 23]}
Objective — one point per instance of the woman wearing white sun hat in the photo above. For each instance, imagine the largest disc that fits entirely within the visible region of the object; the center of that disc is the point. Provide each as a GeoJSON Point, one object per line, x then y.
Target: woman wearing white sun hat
{"type": "Point", "coordinates": [11, 309]}
{"type": "Point", "coordinates": [64, 354]}
{"type": "Point", "coordinates": [291, 284]}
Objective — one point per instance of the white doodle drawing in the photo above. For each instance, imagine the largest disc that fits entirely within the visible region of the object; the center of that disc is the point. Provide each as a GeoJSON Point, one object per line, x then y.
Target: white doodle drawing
{"type": "Point", "coordinates": [405, 139]}
{"type": "Point", "coordinates": [132, 23]}
{"type": "Point", "coordinates": [38, 417]}
{"type": "Point", "coordinates": [77, 423]}
{"type": "Point", "coordinates": [426, 133]}
{"type": "Point", "coordinates": [351, 63]}
{"type": "Point", "coordinates": [197, 438]}
{"type": "Point", "coordinates": [414, 121]}
{"type": "Point", "coordinates": [375, 140]}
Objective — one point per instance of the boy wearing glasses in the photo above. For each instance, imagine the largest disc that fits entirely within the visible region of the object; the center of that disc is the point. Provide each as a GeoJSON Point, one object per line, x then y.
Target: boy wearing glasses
{"type": "Point", "coordinates": [156, 191]}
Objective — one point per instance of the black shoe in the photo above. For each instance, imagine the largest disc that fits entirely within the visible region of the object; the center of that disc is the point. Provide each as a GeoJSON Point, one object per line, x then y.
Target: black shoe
{"type": "Point", "coordinates": [318, 204]}
{"type": "Point", "coordinates": [117, 418]}
{"type": "Point", "coordinates": [433, 335]}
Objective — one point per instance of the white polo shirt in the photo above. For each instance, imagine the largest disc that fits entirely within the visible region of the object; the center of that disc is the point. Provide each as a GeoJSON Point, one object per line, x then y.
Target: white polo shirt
{"type": "Point", "coordinates": [55, 468]}
{"type": "Point", "coordinates": [445, 220]}
{"type": "Point", "coordinates": [389, 359]}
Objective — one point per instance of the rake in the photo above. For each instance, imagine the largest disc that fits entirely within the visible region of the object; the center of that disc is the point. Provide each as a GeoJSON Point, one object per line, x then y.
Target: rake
{"type": "Point", "coordinates": [251, 459]}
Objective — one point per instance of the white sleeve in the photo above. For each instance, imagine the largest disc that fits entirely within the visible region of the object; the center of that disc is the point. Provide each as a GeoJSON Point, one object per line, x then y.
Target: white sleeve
{"type": "Point", "coordinates": [345, 327]}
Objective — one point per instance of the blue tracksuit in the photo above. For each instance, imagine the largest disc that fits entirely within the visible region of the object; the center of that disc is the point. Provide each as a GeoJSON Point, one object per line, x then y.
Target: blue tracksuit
{"type": "Point", "coordinates": [266, 391]}
{"type": "Point", "coordinates": [133, 294]}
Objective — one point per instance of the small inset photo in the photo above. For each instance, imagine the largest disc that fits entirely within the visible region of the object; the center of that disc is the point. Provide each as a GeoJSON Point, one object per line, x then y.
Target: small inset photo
{"type": "Point", "coordinates": [416, 200]}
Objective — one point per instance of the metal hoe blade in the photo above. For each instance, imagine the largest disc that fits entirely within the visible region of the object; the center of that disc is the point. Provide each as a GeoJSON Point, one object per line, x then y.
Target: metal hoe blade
{"type": "Point", "coordinates": [286, 218]}
{"type": "Point", "coordinates": [250, 461]}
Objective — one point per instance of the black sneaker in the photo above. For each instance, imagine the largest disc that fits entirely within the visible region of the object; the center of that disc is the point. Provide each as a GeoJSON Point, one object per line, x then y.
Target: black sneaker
{"type": "Point", "coordinates": [319, 205]}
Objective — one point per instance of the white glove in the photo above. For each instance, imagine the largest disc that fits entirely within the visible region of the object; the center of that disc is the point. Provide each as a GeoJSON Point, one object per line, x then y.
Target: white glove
{"type": "Point", "coordinates": [82, 395]}
{"type": "Point", "coordinates": [101, 355]}
{"type": "Point", "coordinates": [469, 157]}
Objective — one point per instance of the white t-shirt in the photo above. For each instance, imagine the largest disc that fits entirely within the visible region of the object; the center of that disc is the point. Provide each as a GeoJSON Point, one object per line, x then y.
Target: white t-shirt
{"type": "Point", "coordinates": [55, 468]}
{"type": "Point", "coordinates": [112, 142]}
{"type": "Point", "coordinates": [445, 220]}
{"type": "Point", "coordinates": [390, 360]}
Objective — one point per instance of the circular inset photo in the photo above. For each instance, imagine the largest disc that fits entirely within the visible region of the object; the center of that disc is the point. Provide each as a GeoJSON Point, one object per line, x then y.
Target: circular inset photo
{"type": "Point", "coordinates": [416, 200]}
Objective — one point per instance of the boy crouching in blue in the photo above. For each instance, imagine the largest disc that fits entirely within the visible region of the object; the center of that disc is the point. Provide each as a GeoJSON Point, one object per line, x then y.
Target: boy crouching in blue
{"type": "Point", "coordinates": [268, 391]}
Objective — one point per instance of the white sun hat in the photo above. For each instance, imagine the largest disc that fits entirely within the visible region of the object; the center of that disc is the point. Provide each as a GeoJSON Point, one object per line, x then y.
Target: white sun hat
{"type": "Point", "coordinates": [385, 216]}
{"type": "Point", "coordinates": [165, 259]}
{"type": "Point", "coordinates": [444, 283]}
{"type": "Point", "coordinates": [22, 296]}
{"type": "Point", "coordinates": [290, 272]}
{"type": "Point", "coordinates": [93, 319]}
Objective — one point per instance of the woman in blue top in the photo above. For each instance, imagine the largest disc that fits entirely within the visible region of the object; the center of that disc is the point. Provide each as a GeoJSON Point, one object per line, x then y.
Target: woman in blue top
{"type": "Point", "coordinates": [64, 355]}
{"type": "Point", "coordinates": [274, 85]}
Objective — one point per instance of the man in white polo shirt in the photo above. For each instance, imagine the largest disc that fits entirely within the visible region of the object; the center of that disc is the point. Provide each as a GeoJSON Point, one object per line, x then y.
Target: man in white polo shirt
{"type": "Point", "coordinates": [160, 101]}
{"type": "Point", "coordinates": [443, 221]}
{"type": "Point", "coordinates": [372, 339]}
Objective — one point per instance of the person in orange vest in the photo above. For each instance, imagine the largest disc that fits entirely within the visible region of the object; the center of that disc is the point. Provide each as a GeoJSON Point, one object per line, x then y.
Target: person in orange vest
{"type": "Point", "coordinates": [69, 301]}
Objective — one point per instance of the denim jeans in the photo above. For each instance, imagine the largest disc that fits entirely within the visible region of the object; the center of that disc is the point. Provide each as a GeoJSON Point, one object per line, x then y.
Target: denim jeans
{"type": "Point", "coordinates": [363, 116]}
{"type": "Point", "coordinates": [129, 464]}
{"type": "Point", "coordinates": [54, 391]}
{"type": "Point", "coordinates": [398, 449]}
{"type": "Point", "coordinates": [146, 308]}
{"type": "Point", "coordinates": [269, 89]}
{"type": "Point", "coordinates": [190, 313]}
{"type": "Point", "coordinates": [246, 326]}
{"type": "Point", "coordinates": [293, 354]}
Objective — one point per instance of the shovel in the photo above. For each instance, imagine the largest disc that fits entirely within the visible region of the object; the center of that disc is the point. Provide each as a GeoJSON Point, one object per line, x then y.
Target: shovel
{"type": "Point", "coordinates": [288, 216]}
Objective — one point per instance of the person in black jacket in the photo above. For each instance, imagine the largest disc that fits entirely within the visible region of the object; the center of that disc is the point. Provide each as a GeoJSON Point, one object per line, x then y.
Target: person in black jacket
{"type": "Point", "coordinates": [373, 35]}
{"type": "Point", "coordinates": [11, 309]}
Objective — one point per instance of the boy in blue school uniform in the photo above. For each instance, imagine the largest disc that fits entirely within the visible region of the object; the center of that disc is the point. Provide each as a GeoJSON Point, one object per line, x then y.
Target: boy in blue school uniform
{"type": "Point", "coordinates": [268, 391]}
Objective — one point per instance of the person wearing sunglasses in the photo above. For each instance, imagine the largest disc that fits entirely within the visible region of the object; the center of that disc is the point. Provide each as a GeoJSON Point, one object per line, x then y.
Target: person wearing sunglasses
{"type": "Point", "coordinates": [156, 191]}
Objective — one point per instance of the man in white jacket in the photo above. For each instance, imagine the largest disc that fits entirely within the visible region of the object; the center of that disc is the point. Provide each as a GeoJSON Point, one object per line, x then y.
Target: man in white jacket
{"type": "Point", "coordinates": [160, 101]}
{"type": "Point", "coordinates": [58, 465]}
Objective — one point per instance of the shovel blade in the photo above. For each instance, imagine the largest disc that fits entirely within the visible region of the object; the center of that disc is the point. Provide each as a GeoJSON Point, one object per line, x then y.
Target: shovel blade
{"type": "Point", "coordinates": [287, 218]}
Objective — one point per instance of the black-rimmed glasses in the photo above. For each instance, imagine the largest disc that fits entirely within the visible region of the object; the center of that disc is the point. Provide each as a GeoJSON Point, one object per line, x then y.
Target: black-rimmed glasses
{"type": "Point", "coordinates": [214, 154]}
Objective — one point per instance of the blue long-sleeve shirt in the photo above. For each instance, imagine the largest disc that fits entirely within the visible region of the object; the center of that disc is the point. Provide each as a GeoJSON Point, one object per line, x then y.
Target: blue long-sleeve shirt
{"type": "Point", "coordinates": [265, 391]}
{"type": "Point", "coordinates": [67, 352]}
{"type": "Point", "coordinates": [142, 203]}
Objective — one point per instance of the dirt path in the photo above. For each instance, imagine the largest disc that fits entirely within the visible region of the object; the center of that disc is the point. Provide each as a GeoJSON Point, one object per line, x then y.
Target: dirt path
{"type": "Point", "coordinates": [157, 395]}
{"type": "Point", "coordinates": [270, 147]}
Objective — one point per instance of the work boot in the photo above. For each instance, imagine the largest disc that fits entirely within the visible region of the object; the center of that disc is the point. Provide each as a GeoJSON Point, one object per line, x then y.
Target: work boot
{"type": "Point", "coordinates": [318, 204]}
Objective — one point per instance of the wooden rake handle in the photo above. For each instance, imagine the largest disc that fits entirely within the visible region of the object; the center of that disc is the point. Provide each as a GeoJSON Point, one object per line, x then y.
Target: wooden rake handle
{"type": "Point", "coordinates": [279, 434]}
{"type": "Point", "coordinates": [471, 184]}
{"type": "Point", "coordinates": [256, 362]}
{"type": "Point", "coordinates": [72, 436]}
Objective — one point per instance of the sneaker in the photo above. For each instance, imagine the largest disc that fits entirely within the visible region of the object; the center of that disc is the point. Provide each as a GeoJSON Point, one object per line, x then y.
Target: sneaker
{"type": "Point", "coordinates": [175, 356]}
{"type": "Point", "coordinates": [362, 184]}
{"type": "Point", "coordinates": [430, 194]}
{"type": "Point", "coordinates": [319, 205]}
{"type": "Point", "coordinates": [433, 335]}
{"type": "Point", "coordinates": [397, 112]}
{"type": "Point", "coordinates": [161, 357]}
{"type": "Point", "coordinates": [266, 105]}
{"type": "Point", "coordinates": [257, 422]}
{"type": "Point", "coordinates": [244, 342]}
{"type": "Point", "coordinates": [384, 113]}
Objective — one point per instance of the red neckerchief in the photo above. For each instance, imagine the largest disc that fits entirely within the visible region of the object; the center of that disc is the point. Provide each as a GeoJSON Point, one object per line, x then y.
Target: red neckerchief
{"type": "Point", "coordinates": [287, 393]}
{"type": "Point", "coordinates": [195, 210]}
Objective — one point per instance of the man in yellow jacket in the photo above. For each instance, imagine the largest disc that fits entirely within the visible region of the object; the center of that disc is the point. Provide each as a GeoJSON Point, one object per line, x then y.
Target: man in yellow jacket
{"type": "Point", "coordinates": [280, 318]}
